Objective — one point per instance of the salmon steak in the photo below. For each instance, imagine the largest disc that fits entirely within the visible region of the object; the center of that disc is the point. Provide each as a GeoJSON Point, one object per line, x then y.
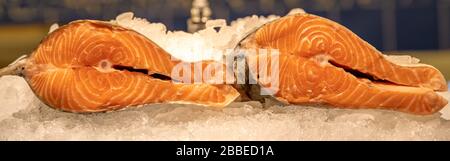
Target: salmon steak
{"type": "Point", "coordinates": [95, 66]}
{"type": "Point", "coordinates": [321, 61]}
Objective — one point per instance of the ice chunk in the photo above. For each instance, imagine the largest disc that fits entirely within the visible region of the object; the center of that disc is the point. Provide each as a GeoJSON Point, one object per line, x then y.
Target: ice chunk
{"type": "Point", "coordinates": [446, 110]}
{"type": "Point", "coordinates": [125, 18]}
{"type": "Point", "coordinates": [216, 23]}
{"type": "Point", "coordinates": [15, 95]}
{"type": "Point", "coordinates": [54, 27]}
{"type": "Point", "coordinates": [296, 11]}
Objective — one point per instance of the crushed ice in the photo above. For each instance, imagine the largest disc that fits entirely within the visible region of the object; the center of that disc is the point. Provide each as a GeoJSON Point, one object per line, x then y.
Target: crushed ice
{"type": "Point", "coordinates": [210, 43]}
{"type": "Point", "coordinates": [24, 117]}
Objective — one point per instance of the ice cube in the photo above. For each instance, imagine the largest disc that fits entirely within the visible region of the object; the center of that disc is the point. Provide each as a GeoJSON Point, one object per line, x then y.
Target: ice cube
{"type": "Point", "coordinates": [446, 110]}
{"type": "Point", "coordinates": [216, 23]}
{"type": "Point", "coordinates": [53, 27]}
{"type": "Point", "coordinates": [296, 11]}
{"type": "Point", "coordinates": [15, 95]}
{"type": "Point", "coordinates": [125, 18]}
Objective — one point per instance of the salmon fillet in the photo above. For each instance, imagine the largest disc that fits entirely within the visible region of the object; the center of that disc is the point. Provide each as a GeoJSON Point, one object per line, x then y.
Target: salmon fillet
{"type": "Point", "coordinates": [321, 61]}
{"type": "Point", "coordinates": [95, 66]}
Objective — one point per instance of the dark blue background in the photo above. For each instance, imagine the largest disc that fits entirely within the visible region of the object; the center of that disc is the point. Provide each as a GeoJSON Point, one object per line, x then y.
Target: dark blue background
{"type": "Point", "coordinates": [415, 22]}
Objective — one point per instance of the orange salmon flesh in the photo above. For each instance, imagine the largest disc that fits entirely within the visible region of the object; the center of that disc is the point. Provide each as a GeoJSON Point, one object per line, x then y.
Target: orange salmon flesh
{"type": "Point", "coordinates": [317, 61]}
{"type": "Point", "coordinates": [73, 70]}
{"type": "Point", "coordinates": [95, 66]}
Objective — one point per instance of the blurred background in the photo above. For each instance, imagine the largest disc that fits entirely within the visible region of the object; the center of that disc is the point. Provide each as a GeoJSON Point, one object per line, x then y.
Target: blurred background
{"type": "Point", "coordinates": [416, 27]}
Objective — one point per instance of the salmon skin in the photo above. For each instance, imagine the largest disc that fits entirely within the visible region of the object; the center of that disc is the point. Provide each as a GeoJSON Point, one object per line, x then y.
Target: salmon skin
{"type": "Point", "coordinates": [95, 66]}
{"type": "Point", "coordinates": [321, 61]}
